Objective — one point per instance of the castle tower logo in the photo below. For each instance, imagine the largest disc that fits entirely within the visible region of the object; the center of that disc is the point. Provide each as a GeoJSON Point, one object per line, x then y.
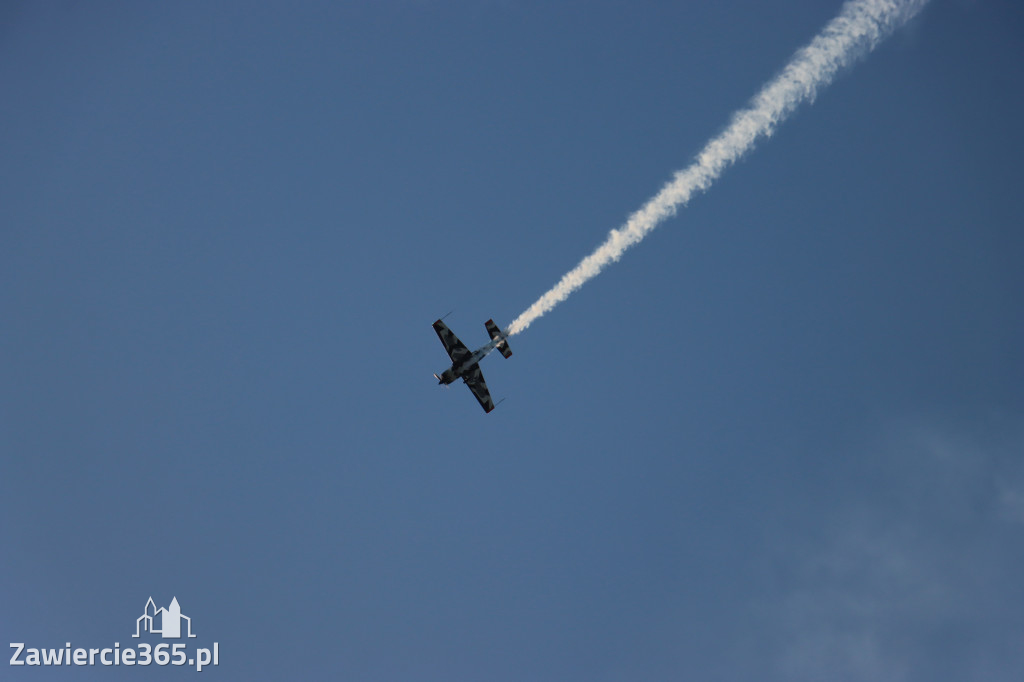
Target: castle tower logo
{"type": "Point", "coordinates": [164, 622]}
{"type": "Point", "coordinates": [169, 620]}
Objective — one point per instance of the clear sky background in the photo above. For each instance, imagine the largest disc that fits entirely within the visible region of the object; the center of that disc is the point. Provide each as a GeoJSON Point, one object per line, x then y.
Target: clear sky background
{"type": "Point", "coordinates": [782, 439]}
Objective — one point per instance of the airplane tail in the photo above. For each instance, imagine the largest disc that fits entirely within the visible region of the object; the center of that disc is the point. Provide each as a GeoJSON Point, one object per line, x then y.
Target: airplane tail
{"type": "Point", "coordinates": [495, 333]}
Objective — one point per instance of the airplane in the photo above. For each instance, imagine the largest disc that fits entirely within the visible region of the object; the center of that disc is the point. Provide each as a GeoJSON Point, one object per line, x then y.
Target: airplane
{"type": "Point", "coordinates": [466, 364]}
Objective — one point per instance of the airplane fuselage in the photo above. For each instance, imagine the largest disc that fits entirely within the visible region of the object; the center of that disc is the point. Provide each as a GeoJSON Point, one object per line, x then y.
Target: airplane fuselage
{"type": "Point", "coordinates": [459, 370]}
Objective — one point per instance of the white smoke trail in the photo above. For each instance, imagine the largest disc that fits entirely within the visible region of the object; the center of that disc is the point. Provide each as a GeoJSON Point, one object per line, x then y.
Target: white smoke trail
{"type": "Point", "coordinates": [860, 26]}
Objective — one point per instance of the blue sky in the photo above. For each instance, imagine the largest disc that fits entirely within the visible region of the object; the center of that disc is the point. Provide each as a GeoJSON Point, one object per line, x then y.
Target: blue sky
{"type": "Point", "coordinates": [782, 439]}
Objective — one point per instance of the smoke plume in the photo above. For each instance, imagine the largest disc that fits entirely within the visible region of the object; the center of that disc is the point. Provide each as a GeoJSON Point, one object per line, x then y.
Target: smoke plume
{"type": "Point", "coordinates": [860, 26]}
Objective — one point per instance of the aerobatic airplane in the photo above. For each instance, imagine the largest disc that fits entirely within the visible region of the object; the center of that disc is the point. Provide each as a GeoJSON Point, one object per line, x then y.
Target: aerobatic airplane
{"type": "Point", "coordinates": [466, 365]}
